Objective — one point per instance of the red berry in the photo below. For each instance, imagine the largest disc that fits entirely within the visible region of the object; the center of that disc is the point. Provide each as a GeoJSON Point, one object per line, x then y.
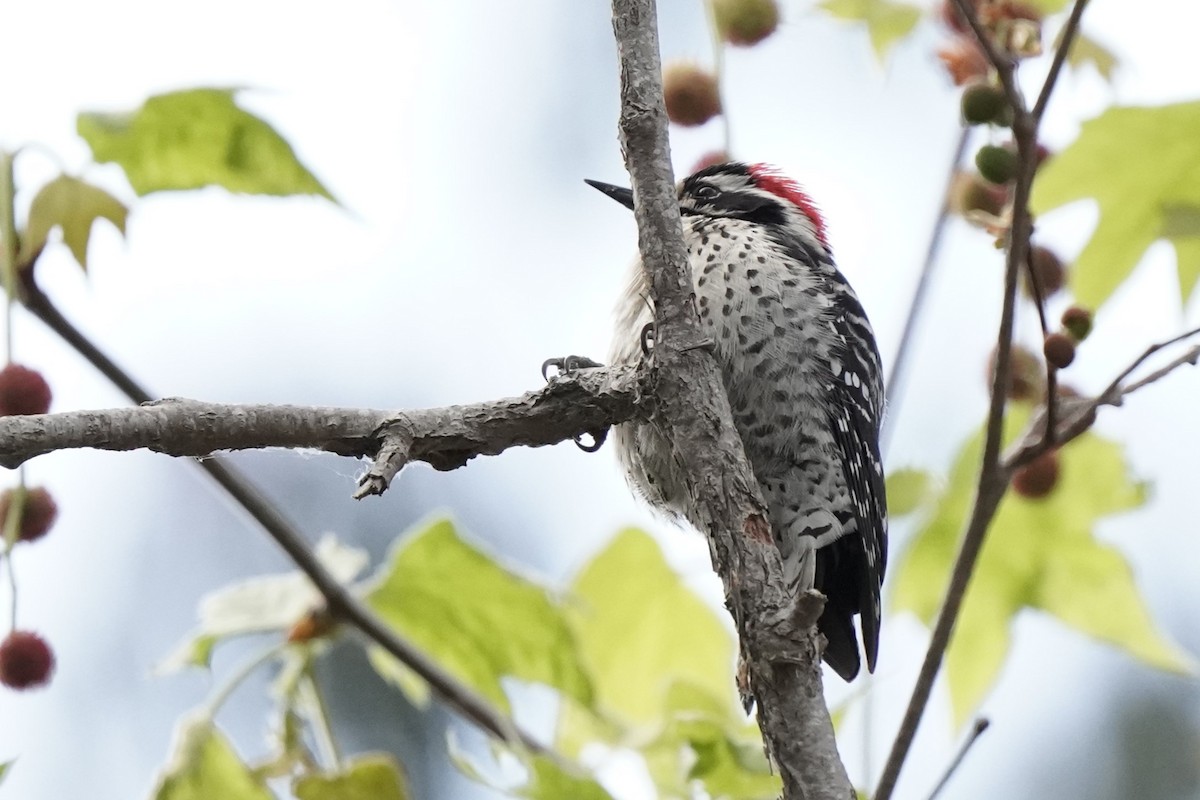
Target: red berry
{"type": "Point", "coordinates": [691, 94]}
{"type": "Point", "coordinates": [26, 661]}
{"type": "Point", "coordinates": [1026, 375]}
{"type": "Point", "coordinates": [38, 512]}
{"type": "Point", "coordinates": [1051, 275]}
{"type": "Point", "coordinates": [710, 159]}
{"type": "Point", "coordinates": [745, 22]}
{"type": "Point", "coordinates": [23, 391]}
{"type": "Point", "coordinates": [969, 192]}
{"type": "Point", "coordinates": [1043, 153]}
{"type": "Point", "coordinates": [1059, 350]}
{"type": "Point", "coordinates": [1038, 478]}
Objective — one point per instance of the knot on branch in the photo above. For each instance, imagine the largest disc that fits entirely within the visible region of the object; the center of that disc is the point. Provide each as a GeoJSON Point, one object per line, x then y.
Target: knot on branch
{"type": "Point", "coordinates": [395, 437]}
{"type": "Point", "coordinates": [787, 634]}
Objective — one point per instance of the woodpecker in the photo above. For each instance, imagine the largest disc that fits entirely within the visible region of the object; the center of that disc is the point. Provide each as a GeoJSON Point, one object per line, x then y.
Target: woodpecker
{"type": "Point", "coordinates": [802, 371]}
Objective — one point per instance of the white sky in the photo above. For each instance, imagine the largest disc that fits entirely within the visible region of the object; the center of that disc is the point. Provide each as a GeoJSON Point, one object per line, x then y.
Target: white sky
{"type": "Point", "coordinates": [458, 134]}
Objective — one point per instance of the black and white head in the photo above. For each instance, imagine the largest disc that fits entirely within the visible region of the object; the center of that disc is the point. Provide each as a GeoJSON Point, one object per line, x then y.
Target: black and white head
{"type": "Point", "coordinates": [756, 193]}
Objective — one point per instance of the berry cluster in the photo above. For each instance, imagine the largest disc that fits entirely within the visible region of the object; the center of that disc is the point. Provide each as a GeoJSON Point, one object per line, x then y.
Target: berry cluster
{"type": "Point", "coordinates": [26, 661]}
{"type": "Point", "coordinates": [983, 196]}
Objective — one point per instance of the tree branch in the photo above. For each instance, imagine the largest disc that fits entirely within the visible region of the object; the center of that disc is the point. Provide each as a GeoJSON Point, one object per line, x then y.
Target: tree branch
{"type": "Point", "coordinates": [777, 631]}
{"type": "Point", "coordinates": [1065, 40]}
{"type": "Point", "coordinates": [1082, 413]}
{"type": "Point", "coordinates": [993, 474]}
{"type": "Point", "coordinates": [198, 429]}
{"type": "Point", "coordinates": [446, 437]}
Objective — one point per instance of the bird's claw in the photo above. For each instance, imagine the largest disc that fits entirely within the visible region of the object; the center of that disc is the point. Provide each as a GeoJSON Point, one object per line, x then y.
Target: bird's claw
{"type": "Point", "coordinates": [647, 339]}
{"type": "Point", "coordinates": [597, 442]}
{"type": "Point", "coordinates": [567, 364]}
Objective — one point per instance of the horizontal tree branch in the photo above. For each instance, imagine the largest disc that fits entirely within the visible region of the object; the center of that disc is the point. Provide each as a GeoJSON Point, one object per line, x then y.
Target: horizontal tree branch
{"type": "Point", "coordinates": [568, 406]}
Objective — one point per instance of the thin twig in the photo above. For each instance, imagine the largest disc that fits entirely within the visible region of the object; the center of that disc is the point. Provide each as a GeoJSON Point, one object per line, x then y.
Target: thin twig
{"type": "Point", "coordinates": [977, 729]}
{"type": "Point", "coordinates": [1190, 357]}
{"type": "Point", "coordinates": [895, 379]}
{"type": "Point", "coordinates": [1039, 301]}
{"type": "Point", "coordinates": [1082, 414]}
{"type": "Point", "coordinates": [1065, 41]}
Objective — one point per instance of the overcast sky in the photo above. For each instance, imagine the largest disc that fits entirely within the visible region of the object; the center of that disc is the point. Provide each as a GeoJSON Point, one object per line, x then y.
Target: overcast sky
{"type": "Point", "coordinates": [457, 136]}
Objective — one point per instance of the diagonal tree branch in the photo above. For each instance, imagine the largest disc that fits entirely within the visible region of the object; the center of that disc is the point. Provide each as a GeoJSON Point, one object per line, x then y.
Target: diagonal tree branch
{"type": "Point", "coordinates": [1066, 40]}
{"type": "Point", "coordinates": [993, 473]}
{"type": "Point", "coordinates": [778, 634]}
{"type": "Point", "coordinates": [347, 431]}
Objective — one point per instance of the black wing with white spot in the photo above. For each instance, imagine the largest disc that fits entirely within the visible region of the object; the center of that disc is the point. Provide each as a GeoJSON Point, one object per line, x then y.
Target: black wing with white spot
{"type": "Point", "coordinates": [856, 411]}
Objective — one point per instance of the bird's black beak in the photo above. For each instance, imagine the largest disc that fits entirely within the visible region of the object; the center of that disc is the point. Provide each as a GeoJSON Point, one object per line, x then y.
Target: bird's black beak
{"type": "Point", "coordinates": [620, 194]}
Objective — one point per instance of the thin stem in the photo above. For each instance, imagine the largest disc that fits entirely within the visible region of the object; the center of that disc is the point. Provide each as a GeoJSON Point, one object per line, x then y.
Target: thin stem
{"type": "Point", "coordinates": [718, 46]}
{"type": "Point", "coordinates": [1084, 412]}
{"type": "Point", "coordinates": [1039, 301]}
{"type": "Point", "coordinates": [977, 730]}
{"type": "Point", "coordinates": [319, 716]}
{"type": "Point", "coordinates": [239, 676]}
{"type": "Point", "coordinates": [1065, 41]}
{"type": "Point", "coordinates": [12, 530]}
{"type": "Point", "coordinates": [44, 309]}
{"type": "Point", "coordinates": [8, 245]}
{"type": "Point", "coordinates": [895, 379]}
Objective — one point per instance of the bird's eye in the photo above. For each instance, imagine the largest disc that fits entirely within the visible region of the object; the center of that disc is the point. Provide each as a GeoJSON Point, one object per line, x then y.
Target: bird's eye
{"type": "Point", "coordinates": [706, 192]}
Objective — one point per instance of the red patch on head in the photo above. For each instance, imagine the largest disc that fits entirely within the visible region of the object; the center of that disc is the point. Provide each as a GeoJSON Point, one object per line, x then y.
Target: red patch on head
{"type": "Point", "coordinates": [769, 178]}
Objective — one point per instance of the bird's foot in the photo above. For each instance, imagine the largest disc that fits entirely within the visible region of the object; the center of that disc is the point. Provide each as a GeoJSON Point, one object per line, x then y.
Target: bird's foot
{"type": "Point", "coordinates": [565, 365]}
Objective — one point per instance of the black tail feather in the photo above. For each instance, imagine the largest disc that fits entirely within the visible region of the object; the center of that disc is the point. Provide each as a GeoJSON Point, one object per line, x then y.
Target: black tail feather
{"type": "Point", "coordinates": [841, 648]}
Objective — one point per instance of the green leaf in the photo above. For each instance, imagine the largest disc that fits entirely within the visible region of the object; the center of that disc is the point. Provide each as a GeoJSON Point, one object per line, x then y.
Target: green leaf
{"type": "Point", "coordinates": [1048, 6]}
{"type": "Point", "coordinates": [907, 491]}
{"type": "Point", "coordinates": [5, 767]}
{"type": "Point", "coordinates": [1143, 169]}
{"type": "Point", "coordinates": [204, 766]}
{"type": "Point", "coordinates": [195, 138]}
{"type": "Point", "coordinates": [700, 741]}
{"type": "Point", "coordinates": [397, 673]}
{"type": "Point", "coordinates": [887, 21]}
{"type": "Point", "coordinates": [642, 631]}
{"type": "Point", "coordinates": [73, 206]}
{"type": "Point", "coordinates": [548, 777]}
{"type": "Point", "coordinates": [478, 619]}
{"type": "Point", "coordinates": [548, 780]}
{"type": "Point", "coordinates": [729, 762]}
{"type": "Point", "coordinates": [369, 777]}
{"type": "Point", "coordinates": [266, 604]}
{"type": "Point", "coordinates": [1039, 554]}
{"type": "Point", "coordinates": [1086, 50]}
